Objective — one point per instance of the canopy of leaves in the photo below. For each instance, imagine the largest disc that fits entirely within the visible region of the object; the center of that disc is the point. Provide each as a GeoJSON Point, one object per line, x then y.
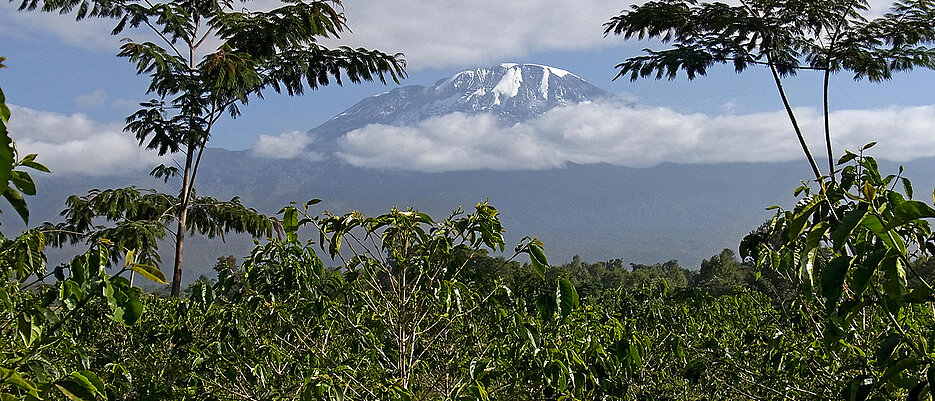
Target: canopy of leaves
{"type": "Point", "coordinates": [788, 35]}
{"type": "Point", "coordinates": [141, 218]}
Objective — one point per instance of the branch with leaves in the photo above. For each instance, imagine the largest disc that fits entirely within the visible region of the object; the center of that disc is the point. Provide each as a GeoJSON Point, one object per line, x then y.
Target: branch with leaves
{"type": "Point", "coordinates": [829, 36]}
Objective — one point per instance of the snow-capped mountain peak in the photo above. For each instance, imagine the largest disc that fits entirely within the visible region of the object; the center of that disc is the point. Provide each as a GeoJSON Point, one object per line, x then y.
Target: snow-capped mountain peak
{"type": "Point", "coordinates": [511, 92]}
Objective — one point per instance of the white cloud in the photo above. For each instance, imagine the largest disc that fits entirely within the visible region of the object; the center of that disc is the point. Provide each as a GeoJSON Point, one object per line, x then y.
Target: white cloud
{"type": "Point", "coordinates": [91, 100]}
{"type": "Point", "coordinates": [76, 144]}
{"type": "Point", "coordinates": [446, 33]}
{"type": "Point", "coordinates": [431, 34]}
{"type": "Point", "coordinates": [285, 146]}
{"type": "Point", "coordinates": [628, 136]}
{"type": "Point", "coordinates": [440, 33]}
{"type": "Point", "coordinates": [92, 33]}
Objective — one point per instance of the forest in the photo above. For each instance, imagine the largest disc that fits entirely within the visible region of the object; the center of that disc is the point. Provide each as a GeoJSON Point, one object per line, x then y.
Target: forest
{"type": "Point", "coordinates": [829, 299]}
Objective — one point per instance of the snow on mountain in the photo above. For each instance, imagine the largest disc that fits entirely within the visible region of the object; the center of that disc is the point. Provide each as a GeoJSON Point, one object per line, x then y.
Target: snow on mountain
{"type": "Point", "coordinates": [512, 93]}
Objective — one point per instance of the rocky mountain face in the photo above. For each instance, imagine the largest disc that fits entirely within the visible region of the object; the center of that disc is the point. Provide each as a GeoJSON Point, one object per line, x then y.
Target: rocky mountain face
{"type": "Point", "coordinates": [511, 92]}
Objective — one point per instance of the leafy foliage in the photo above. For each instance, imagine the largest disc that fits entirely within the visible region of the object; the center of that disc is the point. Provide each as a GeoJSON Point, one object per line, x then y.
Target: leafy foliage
{"type": "Point", "coordinates": [786, 36]}
{"type": "Point", "coordinates": [39, 347]}
{"type": "Point", "coordinates": [141, 218]}
{"type": "Point", "coordinates": [196, 86]}
{"type": "Point", "coordinates": [850, 250]}
{"type": "Point", "coordinates": [11, 166]}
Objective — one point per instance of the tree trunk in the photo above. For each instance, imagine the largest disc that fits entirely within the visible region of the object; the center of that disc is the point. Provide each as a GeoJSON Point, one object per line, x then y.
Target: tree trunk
{"type": "Point", "coordinates": [795, 123]}
{"type": "Point", "coordinates": [182, 215]}
{"type": "Point", "coordinates": [827, 116]}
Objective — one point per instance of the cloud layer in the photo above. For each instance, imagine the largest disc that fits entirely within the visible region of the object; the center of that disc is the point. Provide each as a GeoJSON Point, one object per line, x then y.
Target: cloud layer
{"type": "Point", "coordinates": [631, 136]}
{"type": "Point", "coordinates": [441, 33]}
{"type": "Point", "coordinates": [454, 33]}
{"type": "Point", "coordinates": [76, 144]}
{"type": "Point", "coordinates": [287, 145]}
{"type": "Point", "coordinates": [583, 133]}
{"type": "Point", "coordinates": [446, 33]}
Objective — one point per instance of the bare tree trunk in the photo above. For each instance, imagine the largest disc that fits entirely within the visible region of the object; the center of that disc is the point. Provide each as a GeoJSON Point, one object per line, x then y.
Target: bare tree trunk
{"type": "Point", "coordinates": [795, 123]}
{"type": "Point", "coordinates": [827, 116]}
{"type": "Point", "coordinates": [182, 215]}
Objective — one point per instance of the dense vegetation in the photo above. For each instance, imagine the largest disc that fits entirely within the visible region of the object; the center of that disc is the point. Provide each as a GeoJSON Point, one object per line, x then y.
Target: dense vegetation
{"type": "Point", "coordinates": [832, 299]}
{"type": "Point", "coordinates": [415, 308]}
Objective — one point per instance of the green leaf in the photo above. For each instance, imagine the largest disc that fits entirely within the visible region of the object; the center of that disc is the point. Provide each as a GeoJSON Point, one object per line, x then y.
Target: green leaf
{"type": "Point", "coordinates": [290, 223]}
{"type": "Point", "coordinates": [74, 391]}
{"type": "Point", "coordinates": [19, 204]}
{"type": "Point", "coordinates": [532, 334]}
{"type": "Point", "coordinates": [130, 311]}
{"type": "Point", "coordinates": [858, 389]}
{"type": "Point", "coordinates": [6, 154]}
{"type": "Point", "coordinates": [921, 294]}
{"type": "Point", "coordinates": [30, 161]}
{"type": "Point", "coordinates": [636, 359]}
{"type": "Point", "coordinates": [894, 276]}
{"type": "Point", "coordinates": [797, 225]}
{"type": "Point", "coordinates": [832, 279]}
{"type": "Point", "coordinates": [898, 367]}
{"type": "Point", "coordinates": [538, 260]}
{"type": "Point", "coordinates": [815, 235]}
{"type": "Point", "coordinates": [150, 272]}
{"type": "Point", "coordinates": [887, 346]}
{"type": "Point", "coordinates": [4, 110]}
{"type": "Point", "coordinates": [864, 272]}
{"type": "Point", "coordinates": [930, 376]}
{"type": "Point", "coordinates": [807, 270]}
{"type": "Point", "coordinates": [873, 223]}
{"type": "Point", "coordinates": [28, 330]}
{"type": "Point", "coordinates": [844, 230]}
{"type": "Point", "coordinates": [908, 211]}
{"type": "Point", "coordinates": [545, 303]}
{"type": "Point", "coordinates": [14, 378]}
{"type": "Point", "coordinates": [848, 156]}
{"type": "Point", "coordinates": [24, 182]}
{"type": "Point", "coordinates": [559, 375]}
{"type": "Point", "coordinates": [907, 187]}
{"type": "Point", "coordinates": [869, 191]}
{"type": "Point", "coordinates": [89, 382]}
{"type": "Point", "coordinates": [566, 296]}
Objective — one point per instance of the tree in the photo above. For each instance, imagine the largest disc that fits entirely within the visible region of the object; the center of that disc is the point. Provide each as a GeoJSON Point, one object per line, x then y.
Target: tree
{"type": "Point", "coordinates": [409, 273]}
{"type": "Point", "coordinates": [720, 274]}
{"type": "Point", "coordinates": [827, 36]}
{"type": "Point", "coordinates": [196, 86]}
{"type": "Point", "coordinates": [141, 218]}
{"type": "Point", "coordinates": [852, 250]}
{"type": "Point", "coordinates": [34, 317]}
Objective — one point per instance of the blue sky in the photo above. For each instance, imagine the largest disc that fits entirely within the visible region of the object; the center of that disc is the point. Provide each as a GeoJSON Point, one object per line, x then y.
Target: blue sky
{"type": "Point", "coordinates": [72, 93]}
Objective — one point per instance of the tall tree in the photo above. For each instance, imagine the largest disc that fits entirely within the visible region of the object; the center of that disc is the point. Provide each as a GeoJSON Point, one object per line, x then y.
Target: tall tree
{"type": "Point", "coordinates": [212, 57]}
{"type": "Point", "coordinates": [785, 36]}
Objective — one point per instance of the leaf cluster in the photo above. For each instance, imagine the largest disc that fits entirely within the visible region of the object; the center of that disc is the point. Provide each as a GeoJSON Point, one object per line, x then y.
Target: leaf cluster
{"type": "Point", "coordinates": [851, 249]}
{"type": "Point", "coordinates": [789, 36]}
{"type": "Point", "coordinates": [132, 218]}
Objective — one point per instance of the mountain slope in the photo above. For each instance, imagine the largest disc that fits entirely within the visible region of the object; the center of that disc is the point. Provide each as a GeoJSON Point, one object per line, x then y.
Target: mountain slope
{"type": "Point", "coordinates": [643, 215]}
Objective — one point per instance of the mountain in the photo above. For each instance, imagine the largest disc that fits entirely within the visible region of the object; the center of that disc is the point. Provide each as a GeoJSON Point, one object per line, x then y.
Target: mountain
{"type": "Point", "coordinates": [598, 211]}
{"type": "Point", "coordinates": [512, 92]}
